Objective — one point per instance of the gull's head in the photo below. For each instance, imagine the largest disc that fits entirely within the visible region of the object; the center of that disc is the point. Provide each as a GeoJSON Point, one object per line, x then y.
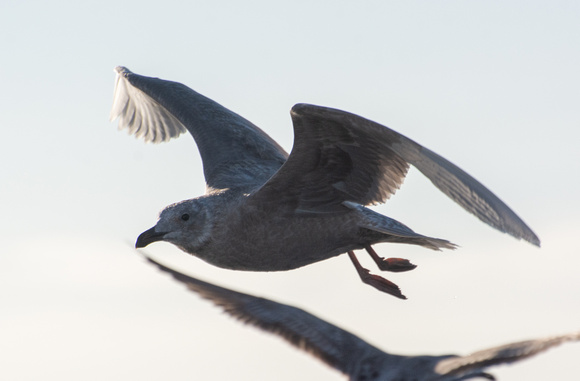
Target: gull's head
{"type": "Point", "coordinates": [185, 224]}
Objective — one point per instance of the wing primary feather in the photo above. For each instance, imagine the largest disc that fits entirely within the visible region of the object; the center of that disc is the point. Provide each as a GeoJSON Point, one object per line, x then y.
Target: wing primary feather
{"type": "Point", "coordinates": [140, 114]}
{"type": "Point", "coordinates": [503, 354]}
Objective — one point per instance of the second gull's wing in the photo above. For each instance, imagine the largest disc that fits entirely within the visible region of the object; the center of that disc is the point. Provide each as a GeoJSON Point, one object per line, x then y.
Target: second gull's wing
{"type": "Point", "coordinates": [336, 347]}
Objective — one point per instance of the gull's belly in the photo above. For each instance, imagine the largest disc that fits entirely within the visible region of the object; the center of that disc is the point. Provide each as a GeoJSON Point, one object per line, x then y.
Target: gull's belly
{"type": "Point", "coordinates": [277, 243]}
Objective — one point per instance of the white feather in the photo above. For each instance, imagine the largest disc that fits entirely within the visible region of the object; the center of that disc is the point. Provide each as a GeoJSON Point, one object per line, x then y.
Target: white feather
{"type": "Point", "coordinates": [141, 115]}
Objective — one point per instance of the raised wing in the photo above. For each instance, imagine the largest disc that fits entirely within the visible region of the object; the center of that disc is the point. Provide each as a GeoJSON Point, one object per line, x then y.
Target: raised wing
{"type": "Point", "coordinates": [341, 157]}
{"type": "Point", "coordinates": [336, 347]}
{"type": "Point", "coordinates": [500, 355]}
{"type": "Point", "coordinates": [235, 153]}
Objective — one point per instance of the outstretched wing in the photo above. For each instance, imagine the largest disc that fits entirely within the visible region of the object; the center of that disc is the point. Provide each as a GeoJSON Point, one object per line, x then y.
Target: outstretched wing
{"type": "Point", "coordinates": [338, 157]}
{"type": "Point", "coordinates": [500, 355]}
{"type": "Point", "coordinates": [336, 347]}
{"type": "Point", "coordinates": [235, 153]}
{"type": "Point", "coordinates": [348, 353]}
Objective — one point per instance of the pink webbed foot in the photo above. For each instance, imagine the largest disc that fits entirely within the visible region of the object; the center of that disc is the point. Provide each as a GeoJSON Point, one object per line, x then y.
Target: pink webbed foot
{"type": "Point", "coordinates": [376, 281]}
{"type": "Point", "coordinates": [396, 265]}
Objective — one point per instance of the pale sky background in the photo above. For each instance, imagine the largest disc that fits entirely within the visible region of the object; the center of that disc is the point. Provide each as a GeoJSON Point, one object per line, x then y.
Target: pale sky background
{"type": "Point", "coordinates": [493, 86]}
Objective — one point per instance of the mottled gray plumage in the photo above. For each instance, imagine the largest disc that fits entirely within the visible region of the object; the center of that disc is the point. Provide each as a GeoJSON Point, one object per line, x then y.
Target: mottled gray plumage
{"type": "Point", "coordinates": [352, 355]}
{"type": "Point", "coordinates": [266, 211]}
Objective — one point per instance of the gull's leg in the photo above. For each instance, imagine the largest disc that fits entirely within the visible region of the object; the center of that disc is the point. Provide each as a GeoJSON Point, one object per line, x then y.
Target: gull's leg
{"type": "Point", "coordinates": [396, 265]}
{"type": "Point", "coordinates": [376, 281]}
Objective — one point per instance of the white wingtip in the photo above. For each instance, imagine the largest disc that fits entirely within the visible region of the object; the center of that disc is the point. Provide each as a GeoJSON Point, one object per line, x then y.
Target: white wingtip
{"type": "Point", "coordinates": [140, 114]}
{"type": "Point", "coordinates": [120, 96]}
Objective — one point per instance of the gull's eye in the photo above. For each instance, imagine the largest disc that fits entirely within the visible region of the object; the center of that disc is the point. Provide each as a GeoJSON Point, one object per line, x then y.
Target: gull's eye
{"type": "Point", "coordinates": [185, 217]}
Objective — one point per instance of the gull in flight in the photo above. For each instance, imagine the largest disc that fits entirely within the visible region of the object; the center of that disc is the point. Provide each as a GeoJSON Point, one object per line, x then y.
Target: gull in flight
{"type": "Point", "coordinates": [265, 210]}
{"type": "Point", "coordinates": [351, 355]}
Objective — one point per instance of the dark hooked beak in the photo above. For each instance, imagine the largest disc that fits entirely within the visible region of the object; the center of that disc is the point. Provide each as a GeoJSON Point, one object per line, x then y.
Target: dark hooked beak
{"type": "Point", "coordinates": [147, 237]}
